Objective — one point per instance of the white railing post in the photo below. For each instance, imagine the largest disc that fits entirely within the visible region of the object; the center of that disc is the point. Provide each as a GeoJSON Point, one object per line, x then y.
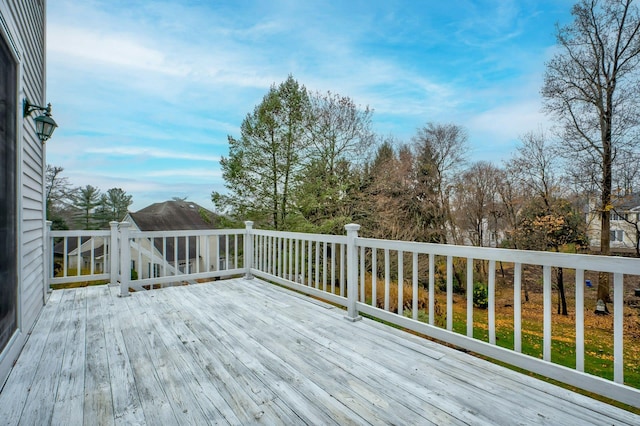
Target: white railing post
{"type": "Point", "coordinates": [352, 272]}
{"type": "Point", "coordinates": [113, 254]}
{"type": "Point", "coordinates": [248, 250]}
{"type": "Point", "coordinates": [125, 259]}
{"type": "Point", "coordinates": [48, 260]}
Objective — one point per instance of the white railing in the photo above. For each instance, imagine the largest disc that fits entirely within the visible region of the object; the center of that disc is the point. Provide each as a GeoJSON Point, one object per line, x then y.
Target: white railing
{"type": "Point", "coordinates": [351, 272]}
{"type": "Point", "coordinates": [82, 256]}
{"type": "Point", "coordinates": [162, 258]}
{"type": "Point", "coordinates": [312, 263]}
{"type": "Point", "coordinates": [362, 275]}
{"type": "Point", "coordinates": [142, 260]}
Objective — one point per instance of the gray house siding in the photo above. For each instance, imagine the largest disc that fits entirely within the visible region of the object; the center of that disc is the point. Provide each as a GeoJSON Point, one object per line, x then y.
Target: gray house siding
{"type": "Point", "coordinates": [23, 26]}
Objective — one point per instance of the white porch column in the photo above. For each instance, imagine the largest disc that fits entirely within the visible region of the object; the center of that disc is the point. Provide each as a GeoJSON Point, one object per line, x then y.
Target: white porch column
{"type": "Point", "coordinates": [125, 259]}
{"type": "Point", "coordinates": [48, 259]}
{"type": "Point", "coordinates": [248, 250]}
{"type": "Point", "coordinates": [114, 254]}
{"type": "Point", "coordinates": [352, 272]}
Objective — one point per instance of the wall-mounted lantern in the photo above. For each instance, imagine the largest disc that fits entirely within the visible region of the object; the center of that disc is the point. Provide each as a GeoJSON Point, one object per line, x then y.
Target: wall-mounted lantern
{"type": "Point", "coordinates": [45, 125]}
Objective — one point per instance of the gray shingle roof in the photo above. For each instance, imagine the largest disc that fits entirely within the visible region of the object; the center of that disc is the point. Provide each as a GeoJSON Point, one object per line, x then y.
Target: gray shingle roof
{"type": "Point", "coordinates": [176, 216]}
{"type": "Point", "coordinates": [628, 202]}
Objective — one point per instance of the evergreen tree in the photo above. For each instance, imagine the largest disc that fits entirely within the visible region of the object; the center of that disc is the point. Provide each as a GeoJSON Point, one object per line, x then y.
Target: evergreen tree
{"type": "Point", "coordinates": [265, 162]}
{"type": "Point", "coordinates": [85, 202]}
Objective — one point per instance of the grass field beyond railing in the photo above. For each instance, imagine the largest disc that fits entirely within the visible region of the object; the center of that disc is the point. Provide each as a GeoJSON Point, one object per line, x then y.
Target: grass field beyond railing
{"type": "Point", "coordinates": [598, 350]}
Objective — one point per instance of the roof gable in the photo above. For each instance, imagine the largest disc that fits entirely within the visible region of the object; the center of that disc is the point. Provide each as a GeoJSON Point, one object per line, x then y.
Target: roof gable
{"type": "Point", "coordinates": [629, 202]}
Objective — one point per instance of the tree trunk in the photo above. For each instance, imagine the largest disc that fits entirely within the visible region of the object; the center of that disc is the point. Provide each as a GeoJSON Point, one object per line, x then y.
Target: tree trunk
{"type": "Point", "coordinates": [457, 276]}
{"type": "Point", "coordinates": [562, 300]}
{"type": "Point", "coordinates": [605, 210]}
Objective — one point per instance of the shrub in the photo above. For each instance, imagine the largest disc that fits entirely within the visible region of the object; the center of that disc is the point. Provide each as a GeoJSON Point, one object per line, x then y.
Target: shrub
{"type": "Point", "coordinates": [457, 287]}
{"type": "Point", "coordinates": [480, 296]}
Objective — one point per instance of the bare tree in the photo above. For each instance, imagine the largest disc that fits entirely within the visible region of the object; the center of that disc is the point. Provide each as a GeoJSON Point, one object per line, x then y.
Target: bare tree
{"type": "Point", "coordinates": [446, 144]}
{"type": "Point", "coordinates": [591, 87]}
{"type": "Point", "coordinates": [536, 166]}
{"type": "Point", "coordinates": [547, 220]}
{"type": "Point", "coordinates": [338, 129]}
{"type": "Point", "coordinates": [58, 195]}
{"type": "Point", "coordinates": [626, 173]}
{"type": "Point", "coordinates": [477, 203]}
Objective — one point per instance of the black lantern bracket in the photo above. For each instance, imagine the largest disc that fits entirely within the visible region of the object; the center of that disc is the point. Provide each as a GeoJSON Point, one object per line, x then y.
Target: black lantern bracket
{"type": "Point", "coordinates": [45, 125]}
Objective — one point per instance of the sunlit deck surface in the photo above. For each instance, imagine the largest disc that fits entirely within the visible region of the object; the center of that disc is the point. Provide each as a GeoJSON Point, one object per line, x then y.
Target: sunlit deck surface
{"type": "Point", "coordinates": [247, 352]}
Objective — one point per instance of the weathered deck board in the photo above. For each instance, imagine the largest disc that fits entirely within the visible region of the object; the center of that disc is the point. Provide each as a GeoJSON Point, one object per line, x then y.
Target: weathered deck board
{"type": "Point", "coordinates": [244, 352]}
{"type": "Point", "coordinates": [14, 396]}
{"type": "Point", "coordinates": [126, 403]}
{"type": "Point", "coordinates": [69, 404]}
{"type": "Point", "coordinates": [98, 403]}
{"type": "Point", "coordinates": [44, 388]}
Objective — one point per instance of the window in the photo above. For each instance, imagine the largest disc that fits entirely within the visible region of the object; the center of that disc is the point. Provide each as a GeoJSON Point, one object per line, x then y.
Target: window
{"type": "Point", "coordinates": [616, 216]}
{"type": "Point", "coordinates": [155, 273]}
{"type": "Point", "coordinates": [8, 195]}
{"type": "Point", "coordinates": [616, 235]}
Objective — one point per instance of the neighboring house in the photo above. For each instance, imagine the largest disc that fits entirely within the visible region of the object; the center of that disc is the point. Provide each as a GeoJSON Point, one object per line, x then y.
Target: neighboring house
{"type": "Point", "coordinates": [59, 251]}
{"type": "Point", "coordinates": [625, 217]}
{"type": "Point", "coordinates": [174, 216]}
{"type": "Point", "coordinates": [22, 165]}
{"type": "Point", "coordinates": [162, 255]}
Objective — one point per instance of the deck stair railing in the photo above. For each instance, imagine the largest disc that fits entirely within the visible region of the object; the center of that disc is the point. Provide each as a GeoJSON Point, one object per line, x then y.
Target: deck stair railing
{"type": "Point", "coordinates": [362, 275]}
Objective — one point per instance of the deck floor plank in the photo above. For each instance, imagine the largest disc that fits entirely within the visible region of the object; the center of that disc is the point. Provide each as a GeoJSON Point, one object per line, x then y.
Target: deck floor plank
{"type": "Point", "coordinates": [335, 376]}
{"type": "Point", "coordinates": [69, 402]}
{"type": "Point", "coordinates": [364, 361]}
{"type": "Point", "coordinates": [238, 403]}
{"type": "Point", "coordinates": [293, 386]}
{"type": "Point", "coordinates": [19, 383]}
{"type": "Point", "coordinates": [43, 392]}
{"type": "Point", "coordinates": [174, 364]}
{"type": "Point", "coordinates": [127, 409]}
{"type": "Point", "coordinates": [239, 353]}
{"type": "Point", "coordinates": [470, 378]}
{"type": "Point", "coordinates": [98, 402]}
{"type": "Point", "coordinates": [245, 352]}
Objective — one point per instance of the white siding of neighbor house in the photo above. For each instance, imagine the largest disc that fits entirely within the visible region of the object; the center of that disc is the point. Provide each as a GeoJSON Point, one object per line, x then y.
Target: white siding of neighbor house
{"type": "Point", "coordinates": [23, 22]}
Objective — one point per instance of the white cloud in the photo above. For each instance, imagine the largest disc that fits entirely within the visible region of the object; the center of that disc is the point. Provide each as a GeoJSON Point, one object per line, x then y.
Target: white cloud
{"type": "Point", "coordinates": [152, 153]}
{"type": "Point", "coordinates": [508, 122]}
{"type": "Point", "coordinates": [185, 173]}
{"type": "Point", "coordinates": [108, 48]}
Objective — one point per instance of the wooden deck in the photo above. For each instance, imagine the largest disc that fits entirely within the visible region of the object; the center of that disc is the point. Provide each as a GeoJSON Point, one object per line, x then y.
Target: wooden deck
{"type": "Point", "coordinates": [245, 352]}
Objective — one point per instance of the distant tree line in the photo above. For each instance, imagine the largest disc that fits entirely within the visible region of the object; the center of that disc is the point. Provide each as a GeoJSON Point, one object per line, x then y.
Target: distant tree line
{"type": "Point", "coordinates": [83, 207]}
{"type": "Point", "coordinates": [308, 161]}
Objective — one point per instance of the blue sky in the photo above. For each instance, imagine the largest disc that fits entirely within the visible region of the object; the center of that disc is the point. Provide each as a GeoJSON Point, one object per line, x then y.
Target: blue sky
{"type": "Point", "coordinates": [146, 92]}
